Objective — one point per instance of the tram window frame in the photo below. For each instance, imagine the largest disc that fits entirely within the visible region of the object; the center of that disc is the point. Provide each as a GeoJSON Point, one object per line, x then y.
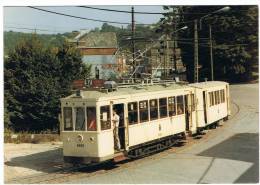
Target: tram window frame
{"type": "Point", "coordinates": [105, 124]}
{"type": "Point", "coordinates": [90, 122]}
{"type": "Point", "coordinates": [172, 104]}
{"type": "Point", "coordinates": [70, 128]}
{"type": "Point", "coordinates": [180, 104]}
{"type": "Point", "coordinates": [163, 108]}
{"type": "Point", "coordinates": [154, 109]}
{"type": "Point", "coordinates": [143, 112]}
{"type": "Point", "coordinates": [132, 112]}
{"type": "Point", "coordinates": [83, 125]}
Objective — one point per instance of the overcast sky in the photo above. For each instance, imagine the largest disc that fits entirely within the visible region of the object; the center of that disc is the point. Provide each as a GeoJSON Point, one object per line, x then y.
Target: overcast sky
{"type": "Point", "coordinates": [21, 18]}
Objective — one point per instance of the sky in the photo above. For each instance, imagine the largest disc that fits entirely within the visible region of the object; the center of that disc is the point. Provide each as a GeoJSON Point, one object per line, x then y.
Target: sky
{"type": "Point", "coordinates": [25, 19]}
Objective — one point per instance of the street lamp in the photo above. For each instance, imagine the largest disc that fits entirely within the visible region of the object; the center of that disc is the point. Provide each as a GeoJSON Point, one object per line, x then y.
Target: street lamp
{"type": "Point", "coordinates": [174, 46]}
{"type": "Point", "coordinates": [227, 8]}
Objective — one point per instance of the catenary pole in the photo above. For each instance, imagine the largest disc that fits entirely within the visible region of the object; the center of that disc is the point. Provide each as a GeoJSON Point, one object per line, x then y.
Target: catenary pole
{"type": "Point", "coordinates": [196, 54]}
{"type": "Point", "coordinates": [133, 40]}
{"type": "Point", "coordinates": [211, 54]}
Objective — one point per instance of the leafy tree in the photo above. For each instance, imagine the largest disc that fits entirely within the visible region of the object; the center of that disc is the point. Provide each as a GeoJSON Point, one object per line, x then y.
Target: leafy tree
{"type": "Point", "coordinates": [36, 78]}
{"type": "Point", "coordinates": [235, 38]}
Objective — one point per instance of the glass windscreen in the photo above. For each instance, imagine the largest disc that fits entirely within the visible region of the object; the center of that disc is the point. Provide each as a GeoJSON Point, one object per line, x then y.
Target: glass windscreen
{"type": "Point", "coordinates": [68, 124]}
{"type": "Point", "coordinates": [91, 119]}
{"type": "Point", "coordinates": [80, 118]}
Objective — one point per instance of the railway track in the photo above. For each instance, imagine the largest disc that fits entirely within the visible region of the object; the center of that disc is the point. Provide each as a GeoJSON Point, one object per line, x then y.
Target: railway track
{"type": "Point", "coordinates": [83, 171]}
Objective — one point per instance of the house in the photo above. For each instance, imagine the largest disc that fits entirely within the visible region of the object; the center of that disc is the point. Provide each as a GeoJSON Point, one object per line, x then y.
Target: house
{"type": "Point", "coordinates": [100, 49]}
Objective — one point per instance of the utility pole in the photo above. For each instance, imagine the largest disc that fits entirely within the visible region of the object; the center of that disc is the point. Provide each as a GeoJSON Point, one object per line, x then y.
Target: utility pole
{"type": "Point", "coordinates": [174, 49]}
{"type": "Point", "coordinates": [211, 54]}
{"type": "Point", "coordinates": [133, 41]}
{"type": "Point", "coordinates": [196, 50]}
{"type": "Point", "coordinates": [165, 55]}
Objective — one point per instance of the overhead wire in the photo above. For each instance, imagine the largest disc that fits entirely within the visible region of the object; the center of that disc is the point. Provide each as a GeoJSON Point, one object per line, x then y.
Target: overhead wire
{"type": "Point", "coordinates": [78, 17]}
{"type": "Point", "coordinates": [136, 12]}
{"type": "Point", "coordinates": [32, 29]}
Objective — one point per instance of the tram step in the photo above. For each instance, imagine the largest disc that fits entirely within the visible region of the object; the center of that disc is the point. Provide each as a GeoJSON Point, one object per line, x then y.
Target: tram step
{"type": "Point", "coordinates": [119, 157]}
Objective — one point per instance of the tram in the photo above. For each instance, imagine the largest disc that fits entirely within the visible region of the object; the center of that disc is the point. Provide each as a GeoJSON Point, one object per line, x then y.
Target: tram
{"type": "Point", "coordinates": [152, 117]}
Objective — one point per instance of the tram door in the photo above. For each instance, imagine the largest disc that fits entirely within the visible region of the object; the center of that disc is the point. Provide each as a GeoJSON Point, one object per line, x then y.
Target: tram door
{"type": "Point", "coordinates": [119, 108]}
{"type": "Point", "coordinates": [187, 112]}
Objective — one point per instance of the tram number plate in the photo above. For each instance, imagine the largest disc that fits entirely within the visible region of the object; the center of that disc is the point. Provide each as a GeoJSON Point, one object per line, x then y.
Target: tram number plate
{"type": "Point", "coordinates": [80, 145]}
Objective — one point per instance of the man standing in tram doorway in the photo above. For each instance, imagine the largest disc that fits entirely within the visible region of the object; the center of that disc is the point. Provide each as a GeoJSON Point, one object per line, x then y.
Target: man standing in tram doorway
{"type": "Point", "coordinates": [115, 120]}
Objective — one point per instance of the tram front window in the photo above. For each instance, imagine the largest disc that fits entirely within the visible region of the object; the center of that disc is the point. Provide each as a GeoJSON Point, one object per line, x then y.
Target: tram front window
{"type": "Point", "coordinates": [80, 118]}
{"type": "Point", "coordinates": [67, 112]}
{"type": "Point", "coordinates": [91, 119]}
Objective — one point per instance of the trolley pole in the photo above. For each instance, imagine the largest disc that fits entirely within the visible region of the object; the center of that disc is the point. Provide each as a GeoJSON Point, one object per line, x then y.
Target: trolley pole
{"type": "Point", "coordinates": [211, 54]}
{"type": "Point", "coordinates": [196, 52]}
{"type": "Point", "coordinates": [133, 41]}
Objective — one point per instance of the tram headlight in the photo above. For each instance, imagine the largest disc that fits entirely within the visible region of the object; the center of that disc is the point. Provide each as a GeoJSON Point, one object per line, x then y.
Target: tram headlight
{"type": "Point", "coordinates": [80, 138]}
{"type": "Point", "coordinates": [91, 139]}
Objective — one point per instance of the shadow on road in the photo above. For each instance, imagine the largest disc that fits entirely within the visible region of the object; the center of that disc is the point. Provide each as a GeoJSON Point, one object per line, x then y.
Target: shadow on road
{"type": "Point", "coordinates": [47, 161]}
{"type": "Point", "coordinates": [241, 147]}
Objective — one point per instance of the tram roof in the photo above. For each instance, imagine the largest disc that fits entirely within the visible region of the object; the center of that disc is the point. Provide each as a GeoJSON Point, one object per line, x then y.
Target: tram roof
{"type": "Point", "coordinates": [96, 94]}
{"type": "Point", "coordinates": [207, 84]}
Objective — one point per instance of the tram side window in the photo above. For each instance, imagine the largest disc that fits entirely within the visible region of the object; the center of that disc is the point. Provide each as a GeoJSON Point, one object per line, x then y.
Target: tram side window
{"type": "Point", "coordinates": [221, 96]}
{"type": "Point", "coordinates": [143, 111]}
{"type": "Point", "coordinates": [91, 119]}
{"type": "Point", "coordinates": [192, 103]}
{"type": "Point", "coordinates": [132, 113]}
{"type": "Point", "coordinates": [172, 106]}
{"type": "Point", "coordinates": [68, 124]}
{"type": "Point", "coordinates": [163, 107]}
{"type": "Point", "coordinates": [180, 106]}
{"type": "Point", "coordinates": [80, 118]}
{"type": "Point", "coordinates": [216, 97]}
{"type": "Point", "coordinates": [224, 97]}
{"type": "Point", "coordinates": [153, 109]}
{"type": "Point", "coordinates": [105, 117]}
{"type": "Point", "coordinates": [212, 97]}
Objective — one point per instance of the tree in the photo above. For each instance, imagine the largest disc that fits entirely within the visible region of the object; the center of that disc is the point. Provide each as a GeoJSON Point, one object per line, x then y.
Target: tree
{"type": "Point", "coordinates": [36, 78]}
{"type": "Point", "coordinates": [235, 38]}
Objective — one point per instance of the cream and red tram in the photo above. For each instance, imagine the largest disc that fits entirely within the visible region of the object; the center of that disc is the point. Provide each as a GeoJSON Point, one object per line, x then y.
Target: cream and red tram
{"type": "Point", "coordinates": [151, 118]}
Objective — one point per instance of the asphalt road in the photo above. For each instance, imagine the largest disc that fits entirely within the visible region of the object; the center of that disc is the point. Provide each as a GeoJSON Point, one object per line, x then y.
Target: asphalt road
{"type": "Point", "coordinates": [229, 155]}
